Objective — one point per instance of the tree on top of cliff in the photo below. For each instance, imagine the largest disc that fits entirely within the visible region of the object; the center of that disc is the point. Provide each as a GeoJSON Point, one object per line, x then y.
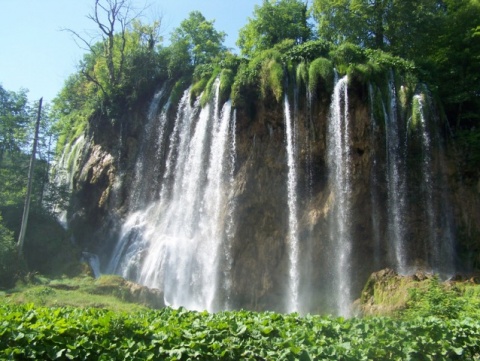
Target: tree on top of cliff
{"type": "Point", "coordinates": [273, 22]}
{"type": "Point", "coordinates": [121, 36]}
{"type": "Point", "coordinates": [440, 36]}
{"type": "Point", "coordinates": [199, 37]}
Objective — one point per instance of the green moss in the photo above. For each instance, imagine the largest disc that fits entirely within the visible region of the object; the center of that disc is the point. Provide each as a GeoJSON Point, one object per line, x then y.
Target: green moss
{"type": "Point", "coordinates": [417, 115]}
{"type": "Point", "coordinates": [198, 87]}
{"type": "Point", "coordinates": [264, 74]}
{"type": "Point", "coordinates": [105, 292]}
{"type": "Point", "coordinates": [360, 72]}
{"type": "Point", "coordinates": [179, 88]}
{"type": "Point", "coordinates": [385, 293]}
{"type": "Point", "coordinates": [271, 79]}
{"type": "Point", "coordinates": [320, 71]}
{"type": "Point", "coordinates": [207, 94]}
{"type": "Point", "coordinates": [301, 73]}
{"type": "Point", "coordinates": [238, 83]}
{"type": "Point", "coordinates": [227, 78]}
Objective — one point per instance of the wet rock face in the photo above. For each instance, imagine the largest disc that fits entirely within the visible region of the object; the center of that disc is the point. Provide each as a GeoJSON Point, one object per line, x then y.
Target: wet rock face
{"type": "Point", "coordinates": [259, 251]}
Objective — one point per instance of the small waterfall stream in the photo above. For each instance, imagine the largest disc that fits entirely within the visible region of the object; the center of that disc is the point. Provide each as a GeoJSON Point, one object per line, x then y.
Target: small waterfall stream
{"type": "Point", "coordinates": [439, 248]}
{"type": "Point", "coordinates": [64, 171]}
{"type": "Point", "coordinates": [339, 220]}
{"type": "Point", "coordinates": [375, 185]}
{"type": "Point", "coordinates": [396, 180]}
{"type": "Point", "coordinates": [293, 243]}
{"type": "Point", "coordinates": [230, 220]}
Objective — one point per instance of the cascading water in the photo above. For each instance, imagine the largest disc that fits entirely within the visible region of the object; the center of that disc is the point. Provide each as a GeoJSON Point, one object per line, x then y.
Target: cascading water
{"type": "Point", "coordinates": [339, 180]}
{"type": "Point", "coordinates": [439, 248]}
{"type": "Point", "coordinates": [426, 168]}
{"type": "Point", "coordinates": [230, 228]}
{"type": "Point", "coordinates": [396, 181]}
{"type": "Point", "coordinates": [64, 172]}
{"type": "Point", "coordinates": [204, 206]}
{"type": "Point", "coordinates": [293, 244]}
{"type": "Point", "coordinates": [374, 184]}
{"type": "Point", "coordinates": [173, 243]}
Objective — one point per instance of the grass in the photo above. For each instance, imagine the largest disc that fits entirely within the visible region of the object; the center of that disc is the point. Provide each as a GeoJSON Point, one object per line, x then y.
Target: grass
{"type": "Point", "coordinates": [423, 295]}
{"type": "Point", "coordinates": [110, 292]}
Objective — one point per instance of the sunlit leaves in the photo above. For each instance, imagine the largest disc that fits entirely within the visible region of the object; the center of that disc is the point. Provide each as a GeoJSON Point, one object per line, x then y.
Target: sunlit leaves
{"type": "Point", "coordinates": [273, 22]}
{"type": "Point", "coordinates": [31, 332]}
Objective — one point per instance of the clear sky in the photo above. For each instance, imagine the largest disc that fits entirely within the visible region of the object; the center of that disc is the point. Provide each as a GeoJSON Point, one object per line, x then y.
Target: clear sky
{"type": "Point", "coordinates": [36, 55]}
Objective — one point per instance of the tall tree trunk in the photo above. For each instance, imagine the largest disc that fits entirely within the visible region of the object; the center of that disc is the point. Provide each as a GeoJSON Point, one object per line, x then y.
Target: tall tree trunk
{"type": "Point", "coordinates": [26, 209]}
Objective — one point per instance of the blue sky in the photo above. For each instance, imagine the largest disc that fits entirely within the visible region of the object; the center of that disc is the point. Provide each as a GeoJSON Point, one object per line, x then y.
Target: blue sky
{"type": "Point", "coordinates": [36, 55]}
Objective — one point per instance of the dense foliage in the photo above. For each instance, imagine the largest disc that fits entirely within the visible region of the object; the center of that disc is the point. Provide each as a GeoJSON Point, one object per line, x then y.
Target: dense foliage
{"type": "Point", "coordinates": [17, 118]}
{"type": "Point", "coordinates": [30, 332]}
{"type": "Point", "coordinates": [272, 23]}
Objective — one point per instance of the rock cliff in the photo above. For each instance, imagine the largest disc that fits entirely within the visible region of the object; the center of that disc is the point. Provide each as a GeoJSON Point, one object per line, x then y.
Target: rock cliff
{"type": "Point", "coordinates": [253, 272]}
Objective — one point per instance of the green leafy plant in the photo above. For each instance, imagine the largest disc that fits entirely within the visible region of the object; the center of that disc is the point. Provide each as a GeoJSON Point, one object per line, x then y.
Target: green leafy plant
{"type": "Point", "coordinates": [320, 71]}
{"type": "Point", "coordinates": [436, 300]}
{"type": "Point", "coordinates": [8, 256]}
{"type": "Point", "coordinates": [35, 332]}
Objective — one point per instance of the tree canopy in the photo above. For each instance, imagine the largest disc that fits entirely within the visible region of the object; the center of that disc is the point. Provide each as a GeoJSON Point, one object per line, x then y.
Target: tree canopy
{"type": "Point", "coordinates": [273, 22]}
{"type": "Point", "coordinates": [199, 38]}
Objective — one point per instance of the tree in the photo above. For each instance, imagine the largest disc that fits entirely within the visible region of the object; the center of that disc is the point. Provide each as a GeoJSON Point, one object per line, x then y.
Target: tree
{"type": "Point", "coordinates": [13, 121]}
{"type": "Point", "coordinates": [455, 58]}
{"type": "Point", "coordinates": [273, 22]}
{"type": "Point", "coordinates": [199, 37]}
{"type": "Point", "coordinates": [402, 27]}
{"type": "Point", "coordinates": [28, 197]}
{"type": "Point", "coordinates": [122, 35]}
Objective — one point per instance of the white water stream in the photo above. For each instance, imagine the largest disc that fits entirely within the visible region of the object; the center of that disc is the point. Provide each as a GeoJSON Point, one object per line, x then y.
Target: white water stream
{"type": "Point", "coordinates": [174, 242]}
{"type": "Point", "coordinates": [293, 244]}
{"type": "Point", "coordinates": [340, 184]}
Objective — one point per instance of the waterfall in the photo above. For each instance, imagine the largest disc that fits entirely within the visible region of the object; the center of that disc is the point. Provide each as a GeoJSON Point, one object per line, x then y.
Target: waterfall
{"type": "Point", "coordinates": [174, 242]}
{"type": "Point", "coordinates": [293, 244]}
{"type": "Point", "coordinates": [396, 181]}
{"type": "Point", "coordinates": [374, 184]}
{"type": "Point", "coordinates": [439, 248]}
{"type": "Point", "coordinates": [426, 170]}
{"type": "Point", "coordinates": [64, 172]}
{"type": "Point", "coordinates": [152, 137]}
{"type": "Point", "coordinates": [288, 207]}
{"type": "Point", "coordinates": [231, 227]}
{"type": "Point", "coordinates": [340, 168]}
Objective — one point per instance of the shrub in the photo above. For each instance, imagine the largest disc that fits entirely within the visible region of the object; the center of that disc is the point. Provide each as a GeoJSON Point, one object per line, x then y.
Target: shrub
{"type": "Point", "coordinates": [308, 51]}
{"type": "Point", "coordinates": [320, 69]}
{"type": "Point", "coordinates": [226, 81]}
{"type": "Point", "coordinates": [437, 300]}
{"type": "Point", "coordinates": [8, 256]}
{"type": "Point", "coordinates": [301, 73]}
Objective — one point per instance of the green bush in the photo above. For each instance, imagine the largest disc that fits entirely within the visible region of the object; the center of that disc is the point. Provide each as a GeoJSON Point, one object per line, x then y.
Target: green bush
{"type": "Point", "coordinates": [347, 54]}
{"type": "Point", "coordinates": [436, 300]}
{"type": "Point", "coordinates": [320, 70]}
{"type": "Point", "coordinates": [263, 74]}
{"type": "Point", "coordinates": [308, 51]}
{"type": "Point", "coordinates": [227, 78]}
{"type": "Point", "coordinates": [271, 79]}
{"type": "Point", "coordinates": [8, 256]}
{"type": "Point", "coordinates": [208, 92]}
{"type": "Point", "coordinates": [301, 73]}
{"type": "Point", "coordinates": [198, 87]}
